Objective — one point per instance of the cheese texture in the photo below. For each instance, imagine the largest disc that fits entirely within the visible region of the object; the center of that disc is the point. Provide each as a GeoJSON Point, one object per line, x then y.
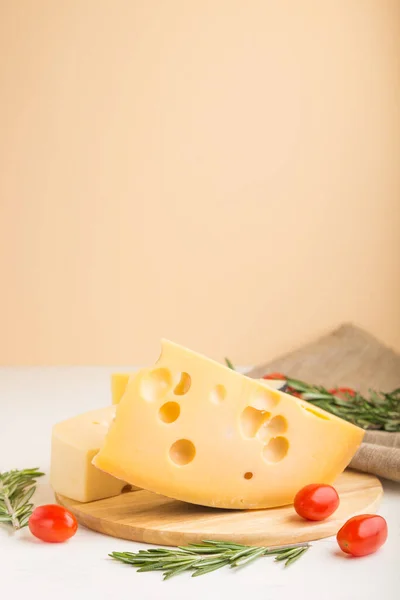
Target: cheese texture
{"type": "Point", "coordinates": [194, 430]}
{"type": "Point", "coordinates": [74, 444]}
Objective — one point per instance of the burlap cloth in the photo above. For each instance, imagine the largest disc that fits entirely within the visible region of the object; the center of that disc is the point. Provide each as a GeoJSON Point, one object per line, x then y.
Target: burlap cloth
{"type": "Point", "coordinates": [353, 358]}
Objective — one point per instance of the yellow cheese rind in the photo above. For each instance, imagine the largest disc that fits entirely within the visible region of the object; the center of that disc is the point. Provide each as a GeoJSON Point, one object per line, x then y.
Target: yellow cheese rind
{"type": "Point", "coordinates": [119, 381]}
{"type": "Point", "coordinates": [74, 444]}
{"type": "Point", "coordinates": [194, 430]}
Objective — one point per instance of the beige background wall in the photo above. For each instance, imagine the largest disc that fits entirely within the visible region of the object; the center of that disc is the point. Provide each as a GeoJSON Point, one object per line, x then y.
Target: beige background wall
{"type": "Point", "coordinates": [220, 172]}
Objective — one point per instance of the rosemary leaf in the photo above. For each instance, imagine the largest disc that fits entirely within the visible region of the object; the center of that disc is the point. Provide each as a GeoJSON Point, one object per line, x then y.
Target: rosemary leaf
{"type": "Point", "coordinates": [24, 498]}
{"type": "Point", "coordinates": [295, 556]}
{"type": "Point", "coordinates": [209, 562]}
{"type": "Point", "coordinates": [239, 554]}
{"type": "Point", "coordinates": [174, 572]}
{"type": "Point", "coordinates": [226, 545]}
{"type": "Point", "coordinates": [244, 560]}
{"type": "Point", "coordinates": [206, 551]}
{"type": "Point", "coordinates": [283, 556]}
{"type": "Point", "coordinates": [229, 364]}
{"type": "Point", "coordinates": [203, 571]}
{"type": "Point", "coordinates": [158, 566]}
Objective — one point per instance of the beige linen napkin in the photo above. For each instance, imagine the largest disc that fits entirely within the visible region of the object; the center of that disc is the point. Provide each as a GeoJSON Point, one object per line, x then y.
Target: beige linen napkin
{"type": "Point", "coordinates": [350, 357]}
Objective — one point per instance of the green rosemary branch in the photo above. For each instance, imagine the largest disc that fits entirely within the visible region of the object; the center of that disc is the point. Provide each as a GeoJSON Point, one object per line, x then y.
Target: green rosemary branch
{"type": "Point", "coordinates": [379, 411]}
{"type": "Point", "coordinates": [16, 489]}
{"type": "Point", "coordinates": [205, 557]}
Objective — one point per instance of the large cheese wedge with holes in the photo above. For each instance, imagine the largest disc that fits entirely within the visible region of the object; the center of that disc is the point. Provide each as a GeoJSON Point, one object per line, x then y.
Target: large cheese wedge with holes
{"type": "Point", "coordinates": [194, 430]}
{"type": "Point", "coordinates": [74, 444]}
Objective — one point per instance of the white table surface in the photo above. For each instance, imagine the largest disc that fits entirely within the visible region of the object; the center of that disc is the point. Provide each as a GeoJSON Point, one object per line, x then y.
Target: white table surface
{"type": "Point", "coordinates": [32, 400]}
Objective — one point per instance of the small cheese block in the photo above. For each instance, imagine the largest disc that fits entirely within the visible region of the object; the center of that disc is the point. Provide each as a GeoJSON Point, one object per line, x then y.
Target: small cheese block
{"type": "Point", "coordinates": [194, 430]}
{"type": "Point", "coordinates": [74, 444]}
{"type": "Point", "coordinates": [119, 381]}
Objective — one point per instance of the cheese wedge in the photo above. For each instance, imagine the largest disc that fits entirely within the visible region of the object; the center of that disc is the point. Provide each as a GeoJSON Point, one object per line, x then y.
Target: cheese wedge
{"type": "Point", "coordinates": [74, 444]}
{"type": "Point", "coordinates": [194, 430]}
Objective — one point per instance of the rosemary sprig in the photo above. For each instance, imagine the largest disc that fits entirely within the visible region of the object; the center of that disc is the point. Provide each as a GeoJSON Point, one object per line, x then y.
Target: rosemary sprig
{"type": "Point", "coordinates": [16, 489]}
{"type": "Point", "coordinates": [205, 557]}
{"type": "Point", "coordinates": [379, 411]}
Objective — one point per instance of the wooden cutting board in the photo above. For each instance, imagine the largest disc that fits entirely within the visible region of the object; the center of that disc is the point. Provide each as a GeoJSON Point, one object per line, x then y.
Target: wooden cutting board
{"type": "Point", "coordinates": [142, 516]}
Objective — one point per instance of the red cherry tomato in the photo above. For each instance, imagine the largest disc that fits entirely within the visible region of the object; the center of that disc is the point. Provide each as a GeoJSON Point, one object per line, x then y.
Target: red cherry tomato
{"type": "Point", "coordinates": [293, 392]}
{"type": "Point", "coordinates": [52, 523]}
{"type": "Point", "coordinates": [362, 535]}
{"type": "Point", "coordinates": [343, 390]}
{"type": "Point", "coordinates": [274, 376]}
{"type": "Point", "coordinates": [316, 502]}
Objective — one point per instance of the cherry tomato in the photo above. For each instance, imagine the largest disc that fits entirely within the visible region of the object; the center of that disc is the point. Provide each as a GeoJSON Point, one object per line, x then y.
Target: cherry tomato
{"type": "Point", "coordinates": [274, 376]}
{"type": "Point", "coordinates": [316, 502]}
{"type": "Point", "coordinates": [52, 523]}
{"type": "Point", "coordinates": [362, 535]}
{"type": "Point", "coordinates": [343, 390]}
{"type": "Point", "coordinates": [293, 392]}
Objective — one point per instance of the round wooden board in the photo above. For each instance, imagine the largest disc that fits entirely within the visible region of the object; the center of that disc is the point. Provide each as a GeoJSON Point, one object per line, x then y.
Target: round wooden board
{"type": "Point", "coordinates": [142, 516]}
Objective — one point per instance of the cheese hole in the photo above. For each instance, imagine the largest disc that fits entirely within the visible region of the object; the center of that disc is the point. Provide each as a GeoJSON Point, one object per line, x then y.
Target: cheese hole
{"type": "Point", "coordinates": [276, 449]}
{"type": "Point", "coordinates": [265, 400]}
{"type": "Point", "coordinates": [156, 384]}
{"type": "Point", "coordinates": [169, 412]}
{"type": "Point", "coordinates": [218, 394]}
{"type": "Point", "coordinates": [316, 413]}
{"type": "Point", "coordinates": [272, 428]}
{"type": "Point", "coordinates": [277, 425]}
{"type": "Point", "coordinates": [183, 386]}
{"type": "Point", "coordinates": [182, 452]}
{"type": "Point", "coordinates": [248, 475]}
{"type": "Point", "coordinates": [251, 420]}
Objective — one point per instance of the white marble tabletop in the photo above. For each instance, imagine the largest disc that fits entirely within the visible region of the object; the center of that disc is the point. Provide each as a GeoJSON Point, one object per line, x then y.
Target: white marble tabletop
{"type": "Point", "coordinates": [32, 400]}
